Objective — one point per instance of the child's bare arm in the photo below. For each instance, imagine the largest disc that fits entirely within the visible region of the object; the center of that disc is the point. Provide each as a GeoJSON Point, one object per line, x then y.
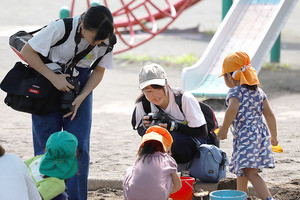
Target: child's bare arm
{"type": "Point", "coordinates": [176, 183]}
{"type": "Point", "coordinates": [230, 114]}
{"type": "Point", "coordinates": [271, 121]}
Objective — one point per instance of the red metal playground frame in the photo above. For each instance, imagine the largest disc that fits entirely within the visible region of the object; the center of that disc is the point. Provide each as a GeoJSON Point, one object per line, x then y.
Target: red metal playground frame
{"type": "Point", "coordinates": [127, 23]}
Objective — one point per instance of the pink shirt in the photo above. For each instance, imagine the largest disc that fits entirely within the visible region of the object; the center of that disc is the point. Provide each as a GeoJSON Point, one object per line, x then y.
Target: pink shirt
{"type": "Point", "coordinates": [150, 180]}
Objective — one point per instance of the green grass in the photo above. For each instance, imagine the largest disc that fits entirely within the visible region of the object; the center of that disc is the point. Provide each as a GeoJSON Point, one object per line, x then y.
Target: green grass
{"type": "Point", "coordinates": [275, 66]}
{"type": "Point", "coordinates": [178, 61]}
{"type": "Point", "coordinates": [185, 60]}
{"type": "Point", "coordinates": [209, 32]}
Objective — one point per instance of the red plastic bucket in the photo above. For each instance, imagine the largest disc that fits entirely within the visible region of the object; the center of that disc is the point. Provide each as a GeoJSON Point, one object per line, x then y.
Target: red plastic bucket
{"type": "Point", "coordinates": [186, 191]}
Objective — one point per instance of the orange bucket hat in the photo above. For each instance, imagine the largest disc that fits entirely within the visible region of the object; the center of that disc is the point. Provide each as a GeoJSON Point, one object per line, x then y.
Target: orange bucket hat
{"type": "Point", "coordinates": [239, 64]}
{"type": "Point", "coordinates": [159, 134]}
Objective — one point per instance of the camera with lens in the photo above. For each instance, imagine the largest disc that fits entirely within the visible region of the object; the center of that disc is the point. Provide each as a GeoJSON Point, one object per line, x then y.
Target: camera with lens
{"type": "Point", "coordinates": [158, 117]}
{"type": "Point", "coordinates": [67, 98]}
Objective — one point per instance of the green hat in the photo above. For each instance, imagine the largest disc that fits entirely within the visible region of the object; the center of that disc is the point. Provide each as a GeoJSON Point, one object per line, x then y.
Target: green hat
{"type": "Point", "coordinates": [60, 158]}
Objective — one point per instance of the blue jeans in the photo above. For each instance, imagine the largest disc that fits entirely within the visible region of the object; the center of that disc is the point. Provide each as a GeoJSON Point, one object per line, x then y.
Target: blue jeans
{"type": "Point", "coordinates": [183, 147]}
{"type": "Point", "coordinates": [44, 125]}
{"type": "Point", "coordinates": [62, 196]}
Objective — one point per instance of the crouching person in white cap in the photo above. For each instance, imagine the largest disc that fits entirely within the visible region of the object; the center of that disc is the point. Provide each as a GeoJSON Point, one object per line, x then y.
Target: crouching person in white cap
{"type": "Point", "coordinates": [157, 105]}
{"type": "Point", "coordinates": [52, 169]}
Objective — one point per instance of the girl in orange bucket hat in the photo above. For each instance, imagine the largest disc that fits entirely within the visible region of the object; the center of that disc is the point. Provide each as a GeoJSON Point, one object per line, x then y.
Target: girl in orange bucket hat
{"type": "Point", "coordinates": [246, 106]}
{"type": "Point", "coordinates": [154, 173]}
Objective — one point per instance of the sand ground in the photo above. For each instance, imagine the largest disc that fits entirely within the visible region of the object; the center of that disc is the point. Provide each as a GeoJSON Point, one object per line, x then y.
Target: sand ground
{"type": "Point", "coordinates": [113, 142]}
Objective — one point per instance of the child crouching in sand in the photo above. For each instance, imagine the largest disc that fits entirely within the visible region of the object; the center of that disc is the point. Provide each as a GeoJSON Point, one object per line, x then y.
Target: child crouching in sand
{"type": "Point", "coordinates": [154, 173]}
{"type": "Point", "coordinates": [50, 170]}
{"type": "Point", "coordinates": [246, 106]}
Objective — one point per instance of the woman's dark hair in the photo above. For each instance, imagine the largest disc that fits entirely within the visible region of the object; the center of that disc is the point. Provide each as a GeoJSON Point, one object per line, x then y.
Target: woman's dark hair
{"type": "Point", "coordinates": [149, 148]}
{"type": "Point", "coordinates": [2, 151]}
{"type": "Point", "coordinates": [142, 96]}
{"type": "Point", "coordinates": [99, 18]}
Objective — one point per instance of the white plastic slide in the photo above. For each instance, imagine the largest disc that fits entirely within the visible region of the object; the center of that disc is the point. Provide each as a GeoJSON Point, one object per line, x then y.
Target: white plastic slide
{"type": "Point", "coordinates": [251, 26]}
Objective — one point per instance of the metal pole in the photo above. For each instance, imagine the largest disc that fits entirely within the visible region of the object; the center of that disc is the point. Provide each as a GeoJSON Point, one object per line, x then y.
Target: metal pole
{"type": "Point", "coordinates": [226, 4]}
{"type": "Point", "coordinates": [275, 51]}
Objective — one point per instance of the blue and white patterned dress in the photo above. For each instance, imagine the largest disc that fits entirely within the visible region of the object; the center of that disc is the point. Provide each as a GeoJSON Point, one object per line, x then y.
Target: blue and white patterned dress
{"type": "Point", "coordinates": [251, 138]}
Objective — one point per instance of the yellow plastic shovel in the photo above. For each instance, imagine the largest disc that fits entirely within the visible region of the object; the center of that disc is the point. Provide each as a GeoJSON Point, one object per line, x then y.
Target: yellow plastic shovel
{"type": "Point", "coordinates": [277, 148]}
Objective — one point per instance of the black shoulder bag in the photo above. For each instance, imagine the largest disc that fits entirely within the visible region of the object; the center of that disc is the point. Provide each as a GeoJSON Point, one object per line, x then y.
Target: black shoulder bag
{"type": "Point", "coordinates": [29, 91]}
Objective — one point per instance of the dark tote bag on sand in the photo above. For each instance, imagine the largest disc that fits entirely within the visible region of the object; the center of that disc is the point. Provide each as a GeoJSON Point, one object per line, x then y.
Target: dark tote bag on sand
{"type": "Point", "coordinates": [209, 163]}
{"type": "Point", "coordinates": [29, 91]}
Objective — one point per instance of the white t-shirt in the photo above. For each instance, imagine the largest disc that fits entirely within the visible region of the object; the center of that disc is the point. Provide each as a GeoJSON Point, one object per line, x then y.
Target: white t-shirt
{"type": "Point", "coordinates": [55, 31]}
{"type": "Point", "coordinates": [15, 180]}
{"type": "Point", "coordinates": [190, 106]}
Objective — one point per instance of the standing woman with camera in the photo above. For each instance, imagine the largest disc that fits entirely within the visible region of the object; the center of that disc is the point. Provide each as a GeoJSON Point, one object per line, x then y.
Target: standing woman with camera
{"type": "Point", "coordinates": [93, 28]}
{"type": "Point", "coordinates": [167, 114]}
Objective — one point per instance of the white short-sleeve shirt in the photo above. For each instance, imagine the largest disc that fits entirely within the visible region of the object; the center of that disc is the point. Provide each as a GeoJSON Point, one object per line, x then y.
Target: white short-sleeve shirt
{"type": "Point", "coordinates": [192, 113]}
{"type": "Point", "coordinates": [55, 31]}
{"type": "Point", "coordinates": [15, 180]}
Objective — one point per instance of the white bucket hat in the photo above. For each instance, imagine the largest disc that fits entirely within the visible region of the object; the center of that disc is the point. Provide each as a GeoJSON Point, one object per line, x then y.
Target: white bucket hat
{"type": "Point", "coordinates": [152, 74]}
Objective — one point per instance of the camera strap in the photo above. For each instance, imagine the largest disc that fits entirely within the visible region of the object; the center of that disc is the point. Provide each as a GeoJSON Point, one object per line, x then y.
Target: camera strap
{"type": "Point", "coordinates": [72, 63]}
{"type": "Point", "coordinates": [77, 57]}
{"type": "Point", "coordinates": [110, 46]}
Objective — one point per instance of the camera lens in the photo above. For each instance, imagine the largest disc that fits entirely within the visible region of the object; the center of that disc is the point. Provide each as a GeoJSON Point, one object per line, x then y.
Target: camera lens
{"type": "Point", "coordinates": [68, 97]}
{"type": "Point", "coordinates": [66, 108]}
{"type": "Point", "coordinates": [66, 102]}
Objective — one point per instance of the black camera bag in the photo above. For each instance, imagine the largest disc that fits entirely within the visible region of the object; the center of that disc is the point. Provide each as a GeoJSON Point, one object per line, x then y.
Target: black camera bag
{"type": "Point", "coordinates": [20, 38]}
{"type": "Point", "coordinates": [29, 91]}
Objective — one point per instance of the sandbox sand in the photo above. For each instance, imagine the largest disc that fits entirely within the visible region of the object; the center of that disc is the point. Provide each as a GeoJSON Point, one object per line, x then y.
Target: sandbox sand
{"type": "Point", "coordinates": [113, 142]}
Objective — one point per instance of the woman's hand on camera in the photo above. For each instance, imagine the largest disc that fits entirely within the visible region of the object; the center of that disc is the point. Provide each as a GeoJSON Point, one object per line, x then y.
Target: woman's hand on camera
{"type": "Point", "coordinates": [146, 121]}
{"type": "Point", "coordinates": [76, 103]}
{"type": "Point", "coordinates": [60, 82]}
{"type": "Point", "coordinates": [163, 125]}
